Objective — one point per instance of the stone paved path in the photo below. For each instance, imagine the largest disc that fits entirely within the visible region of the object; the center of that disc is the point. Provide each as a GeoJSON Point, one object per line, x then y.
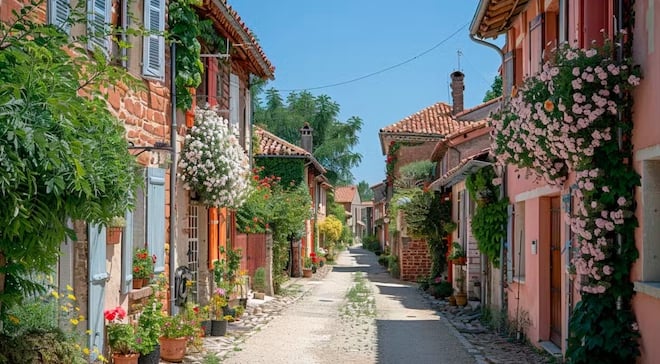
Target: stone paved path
{"type": "Point", "coordinates": [309, 324]}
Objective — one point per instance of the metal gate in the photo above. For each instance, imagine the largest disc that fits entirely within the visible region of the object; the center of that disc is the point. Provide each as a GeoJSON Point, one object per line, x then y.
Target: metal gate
{"type": "Point", "coordinates": [193, 249]}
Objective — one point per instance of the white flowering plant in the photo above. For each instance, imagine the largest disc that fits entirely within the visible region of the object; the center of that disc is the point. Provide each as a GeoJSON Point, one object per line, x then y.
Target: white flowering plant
{"type": "Point", "coordinates": [213, 163]}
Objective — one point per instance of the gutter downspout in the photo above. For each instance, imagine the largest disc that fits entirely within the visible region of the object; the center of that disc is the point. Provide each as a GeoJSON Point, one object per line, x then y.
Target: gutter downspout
{"type": "Point", "coordinates": [503, 274]}
{"type": "Point", "coordinates": [173, 135]}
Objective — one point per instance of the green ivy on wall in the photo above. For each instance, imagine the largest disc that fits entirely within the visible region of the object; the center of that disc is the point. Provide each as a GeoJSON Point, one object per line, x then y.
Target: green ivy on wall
{"type": "Point", "coordinates": [490, 215]}
{"type": "Point", "coordinates": [290, 170]}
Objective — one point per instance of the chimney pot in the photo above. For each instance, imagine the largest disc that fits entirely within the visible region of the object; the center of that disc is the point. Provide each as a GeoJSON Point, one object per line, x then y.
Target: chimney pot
{"type": "Point", "coordinates": [306, 138]}
{"type": "Point", "coordinates": [457, 88]}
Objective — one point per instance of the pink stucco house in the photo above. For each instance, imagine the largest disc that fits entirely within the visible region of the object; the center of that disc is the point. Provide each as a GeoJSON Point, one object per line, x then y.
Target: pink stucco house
{"type": "Point", "coordinates": [543, 244]}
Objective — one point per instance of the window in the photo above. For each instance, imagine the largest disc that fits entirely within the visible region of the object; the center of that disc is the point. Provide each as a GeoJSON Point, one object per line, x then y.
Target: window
{"type": "Point", "coordinates": [149, 217]}
{"type": "Point", "coordinates": [562, 34]}
{"type": "Point", "coordinates": [509, 76]}
{"type": "Point", "coordinates": [650, 252]}
{"type": "Point", "coordinates": [594, 19]}
{"type": "Point", "coordinates": [153, 48]}
{"type": "Point", "coordinates": [459, 214]}
{"type": "Point", "coordinates": [518, 251]}
{"type": "Point", "coordinates": [234, 101]}
{"type": "Point", "coordinates": [58, 13]}
{"type": "Point", "coordinates": [98, 19]}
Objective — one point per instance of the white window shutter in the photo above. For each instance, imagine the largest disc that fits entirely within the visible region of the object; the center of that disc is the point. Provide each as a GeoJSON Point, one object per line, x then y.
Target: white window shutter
{"type": "Point", "coordinates": [98, 13]}
{"type": "Point", "coordinates": [156, 216]}
{"type": "Point", "coordinates": [153, 49]}
{"type": "Point", "coordinates": [127, 255]}
{"type": "Point", "coordinates": [234, 100]}
{"type": "Point", "coordinates": [58, 13]}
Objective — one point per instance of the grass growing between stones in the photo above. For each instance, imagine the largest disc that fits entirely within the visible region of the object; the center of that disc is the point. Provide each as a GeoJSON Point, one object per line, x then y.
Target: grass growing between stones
{"type": "Point", "coordinates": [359, 299]}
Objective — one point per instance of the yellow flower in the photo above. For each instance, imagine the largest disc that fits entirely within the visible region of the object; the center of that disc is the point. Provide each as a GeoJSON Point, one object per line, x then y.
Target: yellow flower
{"type": "Point", "coordinates": [81, 317]}
{"type": "Point", "coordinates": [86, 351]}
{"type": "Point", "coordinates": [102, 358]}
{"type": "Point", "coordinates": [74, 321]}
{"type": "Point", "coordinates": [55, 294]}
{"type": "Point", "coordinates": [77, 346]}
{"type": "Point", "coordinates": [64, 308]}
{"type": "Point", "coordinates": [69, 288]}
{"type": "Point", "coordinates": [88, 332]}
{"type": "Point", "coordinates": [14, 319]}
{"type": "Point", "coordinates": [71, 297]}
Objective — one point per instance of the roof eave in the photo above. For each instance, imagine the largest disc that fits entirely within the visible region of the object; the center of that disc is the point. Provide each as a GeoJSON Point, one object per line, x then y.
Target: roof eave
{"type": "Point", "coordinates": [479, 16]}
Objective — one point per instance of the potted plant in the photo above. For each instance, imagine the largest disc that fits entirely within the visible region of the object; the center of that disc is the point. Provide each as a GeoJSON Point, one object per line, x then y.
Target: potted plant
{"type": "Point", "coordinates": [204, 314]}
{"type": "Point", "coordinates": [114, 230]}
{"type": "Point", "coordinates": [143, 267]}
{"type": "Point", "coordinates": [259, 283]}
{"type": "Point", "coordinates": [440, 288]}
{"type": "Point", "coordinates": [149, 326]}
{"type": "Point", "coordinates": [458, 255]}
{"type": "Point", "coordinates": [307, 267]}
{"type": "Point", "coordinates": [461, 296]}
{"type": "Point", "coordinates": [175, 333]}
{"type": "Point", "coordinates": [121, 337]}
{"type": "Point", "coordinates": [217, 311]}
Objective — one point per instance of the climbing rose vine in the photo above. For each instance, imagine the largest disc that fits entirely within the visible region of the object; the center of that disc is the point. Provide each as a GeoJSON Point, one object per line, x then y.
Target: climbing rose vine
{"type": "Point", "coordinates": [575, 115]}
{"type": "Point", "coordinates": [213, 163]}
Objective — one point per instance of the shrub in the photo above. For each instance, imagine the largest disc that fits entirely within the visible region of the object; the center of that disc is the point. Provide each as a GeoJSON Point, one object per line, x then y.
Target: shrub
{"type": "Point", "coordinates": [259, 280]}
{"type": "Point", "coordinates": [384, 260]}
{"type": "Point", "coordinates": [393, 266]}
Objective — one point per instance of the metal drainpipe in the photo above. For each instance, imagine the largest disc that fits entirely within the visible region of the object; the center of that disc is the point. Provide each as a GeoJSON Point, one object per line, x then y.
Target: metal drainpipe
{"type": "Point", "coordinates": [173, 134]}
{"type": "Point", "coordinates": [503, 185]}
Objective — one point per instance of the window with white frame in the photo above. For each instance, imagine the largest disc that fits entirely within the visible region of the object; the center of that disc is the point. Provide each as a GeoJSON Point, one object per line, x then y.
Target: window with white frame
{"type": "Point", "coordinates": [98, 21]}
{"type": "Point", "coordinates": [58, 14]}
{"type": "Point", "coordinates": [650, 253]}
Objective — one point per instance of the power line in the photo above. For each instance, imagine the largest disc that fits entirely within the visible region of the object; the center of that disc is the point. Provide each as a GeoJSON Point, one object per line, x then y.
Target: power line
{"type": "Point", "coordinates": [381, 70]}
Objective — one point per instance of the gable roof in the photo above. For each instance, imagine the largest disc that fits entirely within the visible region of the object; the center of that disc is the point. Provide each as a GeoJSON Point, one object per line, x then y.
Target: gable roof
{"type": "Point", "coordinates": [431, 123]}
{"type": "Point", "coordinates": [232, 26]}
{"type": "Point", "coordinates": [495, 17]}
{"type": "Point", "coordinates": [345, 194]}
{"type": "Point", "coordinates": [271, 145]}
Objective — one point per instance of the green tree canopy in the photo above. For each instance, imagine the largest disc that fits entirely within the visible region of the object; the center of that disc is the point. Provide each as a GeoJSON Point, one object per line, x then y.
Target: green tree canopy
{"type": "Point", "coordinates": [333, 139]}
{"type": "Point", "coordinates": [365, 191]}
{"type": "Point", "coordinates": [495, 89]}
{"type": "Point", "coordinates": [63, 155]}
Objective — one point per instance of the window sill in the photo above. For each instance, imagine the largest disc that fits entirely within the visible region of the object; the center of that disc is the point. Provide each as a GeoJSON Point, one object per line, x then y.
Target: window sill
{"type": "Point", "coordinates": [137, 294]}
{"type": "Point", "coordinates": [520, 280]}
{"type": "Point", "coordinates": [648, 288]}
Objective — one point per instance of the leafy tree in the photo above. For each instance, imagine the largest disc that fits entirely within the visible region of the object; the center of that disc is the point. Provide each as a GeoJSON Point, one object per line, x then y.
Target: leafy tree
{"type": "Point", "coordinates": [365, 191]}
{"type": "Point", "coordinates": [495, 89]}
{"type": "Point", "coordinates": [63, 155]}
{"type": "Point", "coordinates": [333, 139]}
{"type": "Point", "coordinates": [331, 228]}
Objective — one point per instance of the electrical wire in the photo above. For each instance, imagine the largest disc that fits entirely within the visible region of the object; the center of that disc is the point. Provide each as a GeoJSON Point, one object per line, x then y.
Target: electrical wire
{"type": "Point", "coordinates": [383, 69]}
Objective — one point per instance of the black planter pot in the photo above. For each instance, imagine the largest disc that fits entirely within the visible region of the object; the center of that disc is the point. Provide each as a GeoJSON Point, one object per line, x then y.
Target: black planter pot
{"type": "Point", "coordinates": [218, 328]}
{"type": "Point", "coordinates": [228, 311]}
{"type": "Point", "coordinates": [206, 326]}
{"type": "Point", "coordinates": [151, 358]}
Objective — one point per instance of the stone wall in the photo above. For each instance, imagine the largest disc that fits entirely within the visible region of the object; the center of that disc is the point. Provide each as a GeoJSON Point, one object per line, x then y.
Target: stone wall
{"type": "Point", "coordinates": [414, 259]}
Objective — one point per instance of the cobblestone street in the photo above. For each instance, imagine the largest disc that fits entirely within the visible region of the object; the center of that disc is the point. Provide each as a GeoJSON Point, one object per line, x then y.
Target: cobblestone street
{"type": "Point", "coordinates": [406, 324]}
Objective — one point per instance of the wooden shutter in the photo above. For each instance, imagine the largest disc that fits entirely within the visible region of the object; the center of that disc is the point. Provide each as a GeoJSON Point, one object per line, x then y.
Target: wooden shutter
{"type": "Point", "coordinates": [156, 216]}
{"type": "Point", "coordinates": [153, 62]}
{"type": "Point", "coordinates": [97, 278]}
{"type": "Point", "coordinates": [97, 28]}
{"type": "Point", "coordinates": [212, 79]}
{"type": "Point", "coordinates": [234, 100]}
{"type": "Point", "coordinates": [536, 44]}
{"type": "Point", "coordinates": [58, 13]}
{"type": "Point", "coordinates": [594, 19]}
{"type": "Point", "coordinates": [127, 255]}
{"type": "Point", "coordinates": [509, 76]}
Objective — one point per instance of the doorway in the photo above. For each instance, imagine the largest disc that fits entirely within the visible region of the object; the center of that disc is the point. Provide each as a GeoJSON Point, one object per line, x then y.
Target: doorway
{"type": "Point", "coordinates": [555, 271]}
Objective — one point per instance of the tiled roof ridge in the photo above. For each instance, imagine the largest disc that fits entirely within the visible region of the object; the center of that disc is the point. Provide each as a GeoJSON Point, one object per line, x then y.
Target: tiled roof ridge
{"type": "Point", "coordinates": [445, 110]}
{"type": "Point", "coordinates": [294, 149]}
{"type": "Point", "coordinates": [477, 107]}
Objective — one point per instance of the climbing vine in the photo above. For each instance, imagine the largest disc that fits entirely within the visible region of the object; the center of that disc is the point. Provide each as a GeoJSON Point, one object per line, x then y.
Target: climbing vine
{"type": "Point", "coordinates": [576, 115]}
{"type": "Point", "coordinates": [490, 215]}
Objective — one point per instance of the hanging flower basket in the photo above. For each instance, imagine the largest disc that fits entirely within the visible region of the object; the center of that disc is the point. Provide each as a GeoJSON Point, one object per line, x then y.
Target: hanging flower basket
{"type": "Point", "coordinates": [213, 163]}
{"type": "Point", "coordinates": [113, 235]}
{"type": "Point", "coordinates": [459, 261]}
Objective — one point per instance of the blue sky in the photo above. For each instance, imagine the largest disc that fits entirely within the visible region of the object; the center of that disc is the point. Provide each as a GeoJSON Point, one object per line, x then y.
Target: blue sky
{"type": "Point", "coordinates": [316, 43]}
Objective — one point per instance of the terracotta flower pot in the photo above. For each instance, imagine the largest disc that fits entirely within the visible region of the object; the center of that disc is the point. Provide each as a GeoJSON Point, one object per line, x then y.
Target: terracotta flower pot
{"type": "Point", "coordinates": [125, 358]}
{"type": "Point", "coordinates": [460, 261]}
{"type": "Point", "coordinates": [113, 235]}
{"type": "Point", "coordinates": [307, 272]}
{"type": "Point", "coordinates": [138, 283]}
{"type": "Point", "coordinates": [461, 299]}
{"type": "Point", "coordinates": [172, 349]}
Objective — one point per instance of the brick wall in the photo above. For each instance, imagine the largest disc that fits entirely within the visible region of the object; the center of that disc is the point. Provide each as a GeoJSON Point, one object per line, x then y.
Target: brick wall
{"type": "Point", "coordinates": [408, 154]}
{"type": "Point", "coordinates": [414, 259]}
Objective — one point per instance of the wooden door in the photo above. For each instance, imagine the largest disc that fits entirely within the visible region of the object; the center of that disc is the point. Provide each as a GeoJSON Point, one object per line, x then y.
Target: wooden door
{"type": "Point", "coordinates": [555, 271]}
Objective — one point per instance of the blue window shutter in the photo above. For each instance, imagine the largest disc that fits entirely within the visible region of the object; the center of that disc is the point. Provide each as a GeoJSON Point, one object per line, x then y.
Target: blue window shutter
{"type": "Point", "coordinates": [98, 18]}
{"type": "Point", "coordinates": [97, 278]}
{"type": "Point", "coordinates": [153, 47]}
{"type": "Point", "coordinates": [58, 13]}
{"type": "Point", "coordinates": [156, 216]}
{"type": "Point", "coordinates": [127, 255]}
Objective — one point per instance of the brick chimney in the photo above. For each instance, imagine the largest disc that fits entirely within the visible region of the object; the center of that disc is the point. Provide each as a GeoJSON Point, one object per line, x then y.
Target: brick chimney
{"type": "Point", "coordinates": [457, 88]}
{"type": "Point", "coordinates": [306, 141]}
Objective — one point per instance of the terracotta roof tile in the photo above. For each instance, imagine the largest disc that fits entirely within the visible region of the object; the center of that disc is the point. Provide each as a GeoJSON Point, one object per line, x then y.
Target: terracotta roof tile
{"type": "Point", "coordinates": [434, 120]}
{"type": "Point", "coordinates": [271, 145]}
{"type": "Point", "coordinates": [345, 194]}
{"type": "Point", "coordinates": [227, 16]}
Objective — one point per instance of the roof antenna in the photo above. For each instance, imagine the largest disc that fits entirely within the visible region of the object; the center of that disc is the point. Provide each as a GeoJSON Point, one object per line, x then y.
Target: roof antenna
{"type": "Point", "coordinates": [459, 54]}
